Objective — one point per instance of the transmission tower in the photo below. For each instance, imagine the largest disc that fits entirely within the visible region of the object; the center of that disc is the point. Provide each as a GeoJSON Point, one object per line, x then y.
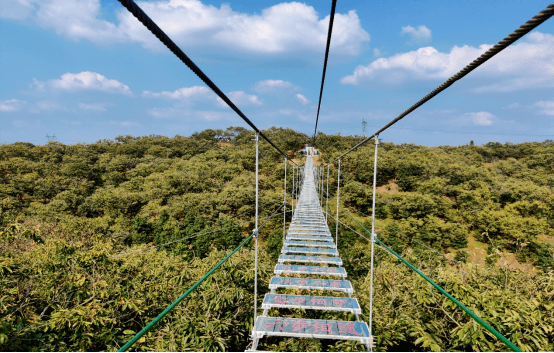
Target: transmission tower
{"type": "Point", "coordinates": [364, 125]}
{"type": "Point", "coordinates": [51, 137]}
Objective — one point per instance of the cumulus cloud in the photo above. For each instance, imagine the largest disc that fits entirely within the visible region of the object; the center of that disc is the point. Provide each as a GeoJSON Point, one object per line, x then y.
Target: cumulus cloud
{"type": "Point", "coordinates": [377, 53]}
{"type": "Point", "coordinates": [525, 64]}
{"type": "Point", "coordinates": [240, 98]}
{"type": "Point", "coordinates": [545, 107]}
{"type": "Point", "coordinates": [93, 107]}
{"type": "Point", "coordinates": [418, 35]}
{"type": "Point", "coordinates": [85, 80]}
{"type": "Point", "coordinates": [515, 105]}
{"type": "Point", "coordinates": [184, 94]}
{"type": "Point", "coordinates": [481, 118]}
{"type": "Point", "coordinates": [11, 105]}
{"type": "Point", "coordinates": [274, 87]}
{"type": "Point", "coordinates": [302, 99]}
{"type": "Point", "coordinates": [280, 29]}
{"type": "Point", "coordinates": [126, 123]}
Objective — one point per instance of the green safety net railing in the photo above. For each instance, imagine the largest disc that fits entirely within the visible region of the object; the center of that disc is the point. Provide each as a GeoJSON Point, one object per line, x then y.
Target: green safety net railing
{"type": "Point", "coordinates": [439, 288]}
{"type": "Point", "coordinates": [169, 308]}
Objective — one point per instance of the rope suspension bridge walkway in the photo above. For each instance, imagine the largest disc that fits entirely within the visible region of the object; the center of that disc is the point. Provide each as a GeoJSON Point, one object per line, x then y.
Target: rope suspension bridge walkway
{"type": "Point", "coordinates": [309, 244]}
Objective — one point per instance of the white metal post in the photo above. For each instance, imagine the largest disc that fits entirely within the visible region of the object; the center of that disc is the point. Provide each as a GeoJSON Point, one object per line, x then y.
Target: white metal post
{"type": "Point", "coordinates": [327, 206]}
{"type": "Point", "coordinates": [373, 237]}
{"type": "Point", "coordinates": [337, 221]}
{"type": "Point", "coordinates": [322, 170]}
{"type": "Point", "coordinates": [256, 239]}
{"type": "Point", "coordinates": [285, 201]}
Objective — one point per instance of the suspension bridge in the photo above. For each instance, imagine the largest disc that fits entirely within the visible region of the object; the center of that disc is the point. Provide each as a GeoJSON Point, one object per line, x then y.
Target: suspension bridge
{"type": "Point", "coordinates": [308, 247]}
{"type": "Point", "coordinates": [309, 243]}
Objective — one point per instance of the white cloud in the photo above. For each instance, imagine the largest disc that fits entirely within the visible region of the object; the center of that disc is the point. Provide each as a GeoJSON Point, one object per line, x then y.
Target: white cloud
{"type": "Point", "coordinates": [16, 10]}
{"type": "Point", "coordinates": [274, 87]}
{"type": "Point", "coordinates": [284, 28]}
{"type": "Point", "coordinates": [481, 118]}
{"type": "Point", "coordinates": [377, 53]}
{"type": "Point", "coordinates": [11, 105]}
{"type": "Point", "coordinates": [126, 123]}
{"type": "Point", "coordinates": [163, 113]}
{"type": "Point", "coordinates": [186, 94]}
{"type": "Point", "coordinates": [525, 64]}
{"type": "Point", "coordinates": [546, 107]}
{"type": "Point", "coordinates": [302, 99]}
{"type": "Point", "coordinates": [421, 34]}
{"type": "Point", "coordinates": [85, 80]}
{"type": "Point", "coordinates": [94, 107]}
{"type": "Point", "coordinates": [515, 105]}
{"type": "Point", "coordinates": [240, 98]}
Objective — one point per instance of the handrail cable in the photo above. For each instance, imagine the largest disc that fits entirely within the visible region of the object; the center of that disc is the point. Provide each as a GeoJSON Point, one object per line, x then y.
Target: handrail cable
{"type": "Point", "coordinates": [184, 295]}
{"type": "Point", "coordinates": [439, 288]}
{"type": "Point", "coordinates": [157, 31]}
{"type": "Point", "coordinates": [503, 44]}
{"type": "Point", "coordinates": [329, 32]}
{"type": "Point", "coordinates": [203, 232]}
{"type": "Point", "coordinates": [189, 237]}
{"type": "Point", "coordinates": [404, 235]}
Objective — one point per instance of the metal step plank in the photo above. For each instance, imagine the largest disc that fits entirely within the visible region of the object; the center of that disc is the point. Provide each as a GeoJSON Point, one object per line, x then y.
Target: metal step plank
{"type": "Point", "coordinates": [323, 329]}
{"type": "Point", "coordinates": [310, 270]}
{"type": "Point", "coordinates": [308, 237]}
{"type": "Point", "coordinates": [321, 244]}
{"type": "Point", "coordinates": [311, 303]}
{"type": "Point", "coordinates": [311, 283]}
{"type": "Point", "coordinates": [316, 251]}
{"type": "Point", "coordinates": [311, 259]}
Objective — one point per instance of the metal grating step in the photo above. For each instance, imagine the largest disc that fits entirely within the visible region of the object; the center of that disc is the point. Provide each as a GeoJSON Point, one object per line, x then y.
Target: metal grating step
{"type": "Point", "coordinates": [310, 270]}
{"type": "Point", "coordinates": [315, 251]}
{"type": "Point", "coordinates": [308, 237]}
{"type": "Point", "coordinates": [321, 244]}
{"type": "Point", "coordinates": [311, 259]}
{"type": "Point", "coordinates": [326, 329]}
{"type": "Point", "coordinates": [310, 302]}
{"type": "Point", "coordinates": [311, 283]}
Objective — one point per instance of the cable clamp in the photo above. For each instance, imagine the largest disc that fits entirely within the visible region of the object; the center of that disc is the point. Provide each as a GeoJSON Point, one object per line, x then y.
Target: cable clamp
{"type": "Point", "coordinates": [374, 237]}
{"type": "Point", "coordinates": [255, 233]}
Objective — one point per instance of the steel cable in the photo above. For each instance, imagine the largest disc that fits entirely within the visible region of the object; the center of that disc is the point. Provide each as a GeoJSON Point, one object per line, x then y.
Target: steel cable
{"type": "Point", "coordinates": [329, 32]}
{"type": "Point", "coordinates": [157, 31]}
{"type": "Point", "coordinates": [503, 44]}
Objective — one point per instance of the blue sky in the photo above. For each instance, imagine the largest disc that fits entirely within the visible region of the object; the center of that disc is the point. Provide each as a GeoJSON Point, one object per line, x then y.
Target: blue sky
{"type": "Point", "coordinates": [86, 70]}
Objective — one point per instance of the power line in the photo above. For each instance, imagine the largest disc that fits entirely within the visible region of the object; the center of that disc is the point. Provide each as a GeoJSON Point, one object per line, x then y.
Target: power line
{"type": "Point", "coordinates": [153, 27]}
{"type": "Point", "coordinates": [503, 44]}
{"type": "Point", "coordinates": [331, 19]}
{"type": "Point", "coordinates": [470, 132]}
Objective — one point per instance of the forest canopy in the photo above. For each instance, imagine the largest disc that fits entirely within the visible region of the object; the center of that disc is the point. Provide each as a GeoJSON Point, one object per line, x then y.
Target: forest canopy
{"type": "Point", "coordinates": [79, 226]}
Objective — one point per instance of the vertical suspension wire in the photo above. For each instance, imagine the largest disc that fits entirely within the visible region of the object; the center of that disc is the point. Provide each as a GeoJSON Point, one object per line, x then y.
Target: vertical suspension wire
{"type": "Point", "coordinates": [285, 202]}
{"type": "Point", "coordinates": [327, 205]}
{"type": "Point", "coordinates": [337, 221]}
{"type": "Point", "coordinates": [373, 237]}
{"type": "Point", "coordinates": [292, 191]}
{"type": "Point", "coordinates": [256, 238]}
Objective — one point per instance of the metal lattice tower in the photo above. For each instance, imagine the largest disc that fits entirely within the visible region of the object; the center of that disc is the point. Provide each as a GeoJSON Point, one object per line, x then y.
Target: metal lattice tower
{"type": "Point", "coordinates": [51, 137]}
{"type": "Point", "coordinates": [308, 253]}
{"type": "Point", "coordinates": [364, 126]}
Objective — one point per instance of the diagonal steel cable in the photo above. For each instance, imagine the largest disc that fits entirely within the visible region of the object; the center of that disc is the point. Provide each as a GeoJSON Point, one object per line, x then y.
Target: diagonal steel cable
{"type": "Point", "coordinates": [329, 32]}
{"type": "Point", "coordinates": [157, 31]}
{"type": "Point", "coordinates": [503, 44]}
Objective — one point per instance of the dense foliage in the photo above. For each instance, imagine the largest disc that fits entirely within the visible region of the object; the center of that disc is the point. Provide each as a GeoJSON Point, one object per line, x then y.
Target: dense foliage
{"type": "Point", "coordinates": [78, 226]}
